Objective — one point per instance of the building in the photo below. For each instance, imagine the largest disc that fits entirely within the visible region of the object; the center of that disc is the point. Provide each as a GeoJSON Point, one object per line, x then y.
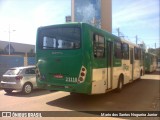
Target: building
{"type": "Point", "coordinates": [16, 48]}
{"type": "Point", "coordinates": [95, 12]}
{"type": "Point", "coordinates": [68, 18]}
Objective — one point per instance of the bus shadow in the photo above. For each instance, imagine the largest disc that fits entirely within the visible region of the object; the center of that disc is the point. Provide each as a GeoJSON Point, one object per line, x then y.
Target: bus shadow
{"type": "Point", "coordinates": [157, 72]}
{"type": "Point", "coordinates": [134, 97]}
{"type": "Point", "coordinates": [37, 92]}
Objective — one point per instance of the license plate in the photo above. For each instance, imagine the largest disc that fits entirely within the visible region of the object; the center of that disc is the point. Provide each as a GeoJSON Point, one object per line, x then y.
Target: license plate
{"type": "Point", "coordinates": [59, 76]}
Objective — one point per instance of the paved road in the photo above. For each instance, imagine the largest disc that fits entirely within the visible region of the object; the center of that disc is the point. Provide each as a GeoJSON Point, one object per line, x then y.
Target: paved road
{"type": "Point", "coordinates": [141, 95]}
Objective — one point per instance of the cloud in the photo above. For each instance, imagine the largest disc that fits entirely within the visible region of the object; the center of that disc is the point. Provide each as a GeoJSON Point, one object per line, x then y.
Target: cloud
{"type": "Point", "coordinates": [31, 15]}
{"type": "Point", "coordinates": [51, 12]}
{"type": "Point", "coordinates": [138, 17]}
{"type": "Point", "coordinates": [136, 12]}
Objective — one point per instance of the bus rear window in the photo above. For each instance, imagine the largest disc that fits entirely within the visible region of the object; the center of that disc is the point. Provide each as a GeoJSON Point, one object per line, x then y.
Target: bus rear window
{"type": "Point", "coordinates": [60, 38]}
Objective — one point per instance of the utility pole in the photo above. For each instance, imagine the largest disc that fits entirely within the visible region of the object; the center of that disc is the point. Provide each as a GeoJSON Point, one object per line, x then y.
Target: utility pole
{"type": "Point", "coordinates": [9, 33]}
{"type": "Point", "coordinates": [118, 30]}
{"type": "Point", "coordinates": [136, 39]}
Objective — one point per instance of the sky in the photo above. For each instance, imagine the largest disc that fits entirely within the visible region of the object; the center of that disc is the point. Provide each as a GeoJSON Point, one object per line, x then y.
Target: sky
{"type": "Point", "coordinates": [132, 17]}
{"type": "Point", "coordinates": [138, 17]}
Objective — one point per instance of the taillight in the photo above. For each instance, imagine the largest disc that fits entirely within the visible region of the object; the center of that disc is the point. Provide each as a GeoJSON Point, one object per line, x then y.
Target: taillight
{"type": "Point", "coordinates": [82, 75]}
{"type": "Point", "coordinates": [83, 69]}
{"type": "Point", "coordinates": [38, 73]}
{"type": "Point", "coordinates": [19, 77]}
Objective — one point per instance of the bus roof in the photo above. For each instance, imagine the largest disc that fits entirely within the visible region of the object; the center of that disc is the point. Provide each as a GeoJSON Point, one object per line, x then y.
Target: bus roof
{"type": "Point", "coordinates": [101, 30]}
{"type": "Point", "coordinates": [126, 41]}
{"type": "Point", "coordinates": [64, 24]}
{"type": "Point", "coordinates": [151, 53]}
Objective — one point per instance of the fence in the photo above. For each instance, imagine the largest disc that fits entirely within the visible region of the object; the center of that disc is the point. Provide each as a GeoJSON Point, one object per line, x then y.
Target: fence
{"type": "Point", "coordinates": [9, 61]}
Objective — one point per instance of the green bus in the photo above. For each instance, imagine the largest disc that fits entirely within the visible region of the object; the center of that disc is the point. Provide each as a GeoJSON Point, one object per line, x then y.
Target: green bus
{"type": "Point", "coordinates": [158, 62]}
{"type": "Point", "coordinates": [80, 58]}
{"type": "Point", "coordinates": [150, 62]}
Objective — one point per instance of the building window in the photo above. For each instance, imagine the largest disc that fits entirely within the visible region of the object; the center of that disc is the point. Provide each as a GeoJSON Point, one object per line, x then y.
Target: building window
{"type": "Point", "coordinates": [118, 50]}
{"type": "Point", "coordinates": [125, 50]}
{"type": "Point", "coordinates": [98, 42]}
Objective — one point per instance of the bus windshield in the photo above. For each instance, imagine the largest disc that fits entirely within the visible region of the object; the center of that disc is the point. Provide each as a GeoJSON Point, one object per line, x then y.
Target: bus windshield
{"type": "Point", "coordinates": [59, 38]}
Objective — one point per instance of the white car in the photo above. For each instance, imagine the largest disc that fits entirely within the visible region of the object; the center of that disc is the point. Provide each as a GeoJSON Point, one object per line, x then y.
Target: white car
{"type": "Point", "coordinates": [19, 78]}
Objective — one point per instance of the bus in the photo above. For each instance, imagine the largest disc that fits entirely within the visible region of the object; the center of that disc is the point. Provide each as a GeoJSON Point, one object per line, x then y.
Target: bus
{"type": "Point", "coordinates": [158, 62]}
{"type": "Point", "coordinates": [150, 62]}
{"type": "Point", "coordinates": [80, 58]}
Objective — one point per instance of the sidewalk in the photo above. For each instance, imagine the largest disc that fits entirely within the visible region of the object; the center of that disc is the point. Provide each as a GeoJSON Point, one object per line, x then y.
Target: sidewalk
{"type": "Point", "coordinates": [154, 76]}
{"type": "Point", "coordinates": [149, 76]}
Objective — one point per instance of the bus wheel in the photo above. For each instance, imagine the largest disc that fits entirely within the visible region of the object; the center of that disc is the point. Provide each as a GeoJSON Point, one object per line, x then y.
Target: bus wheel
{"type": "Point", "coordinates": [141, 74]}
{"type": "Point", "coordinates": [120, 84]}
{"type": "Point", "coordinates": [76, 94]}
{"type": "Point", "coordinates": [72, 93]}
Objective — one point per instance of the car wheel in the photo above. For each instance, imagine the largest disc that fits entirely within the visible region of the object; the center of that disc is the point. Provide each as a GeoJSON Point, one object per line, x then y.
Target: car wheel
{"type": "Point", "coordinates": [8, 91]}
{"type": "Point", "coordinates": [27, 88]}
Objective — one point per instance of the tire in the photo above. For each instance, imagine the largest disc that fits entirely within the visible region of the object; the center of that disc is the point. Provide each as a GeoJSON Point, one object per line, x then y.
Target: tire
{"type": "Point", "coordinates": [51, 90]}
{"type": "Point", "coordinates": [27, 88]}
{"type": "Point", "coordinates": [9, 91]}
{"type": "Point", "coordinates": [72, 93]}
{"type": "Point", "coordinates": [141, 73]}
{"type": "Point", "coordinates": [76, 94]}
{"type": "Point", "coordinates": [120, 84]}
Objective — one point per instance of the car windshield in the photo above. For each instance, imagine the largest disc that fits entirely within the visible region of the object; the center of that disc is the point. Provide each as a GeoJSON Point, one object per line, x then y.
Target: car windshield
{"type": "Point", "coordinates": [13, 72]}
{"type": "Point", "coordinates": [60, 38]}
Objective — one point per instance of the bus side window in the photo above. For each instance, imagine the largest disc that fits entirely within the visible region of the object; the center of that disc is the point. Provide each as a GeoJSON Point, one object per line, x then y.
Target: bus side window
{"type": "Point", "coordinates": [98, 42]}
{"type": "Point", "coordinates": [118, 50]}
{"type": "Point", "coordinates": [136, 53]}
{"type": "Point", "coordinates": [125, 50]}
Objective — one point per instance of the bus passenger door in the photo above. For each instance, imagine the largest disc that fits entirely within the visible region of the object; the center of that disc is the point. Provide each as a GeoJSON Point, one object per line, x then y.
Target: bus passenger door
{"type": "Point", "coordinates": [109, 59]}
{"type": "Point", "coordinates": [131, 63]}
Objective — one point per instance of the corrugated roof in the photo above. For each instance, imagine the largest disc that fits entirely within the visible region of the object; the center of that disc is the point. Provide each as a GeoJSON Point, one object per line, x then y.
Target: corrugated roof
{"type": "Point", "coordinates": [19, 47]}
